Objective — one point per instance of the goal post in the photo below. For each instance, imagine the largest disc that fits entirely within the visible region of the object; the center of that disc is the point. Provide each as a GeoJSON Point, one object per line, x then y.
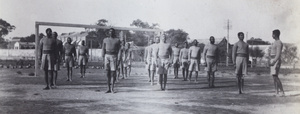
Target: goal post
{"type": "Point", "coordinates": [38, 24]}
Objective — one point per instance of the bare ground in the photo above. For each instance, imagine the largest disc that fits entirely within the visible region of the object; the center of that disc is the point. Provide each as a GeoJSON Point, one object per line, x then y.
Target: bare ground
{"type": "Point", "coordinates": [20, 93]}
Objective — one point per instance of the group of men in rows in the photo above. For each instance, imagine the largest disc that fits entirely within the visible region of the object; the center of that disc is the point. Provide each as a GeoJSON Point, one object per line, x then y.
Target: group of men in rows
{"type": "Point", "coordinates": [159, 56]}
{"type": "Point", "coordinates": [52, 52]}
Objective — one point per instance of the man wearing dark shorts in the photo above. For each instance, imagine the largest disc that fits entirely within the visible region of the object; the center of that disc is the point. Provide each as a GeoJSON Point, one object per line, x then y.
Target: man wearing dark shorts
{"type": "Point", "coordinates": [111, 48]}
{"type": "Point", "coordinates": [211, 58]}
{"type": "Point", "coordinates": [275, 63]}
{"type": "Point", "coordinates": [83, 56]}
{"type": "Point", "coordinates": [240, 57]}
{"type": "Point", "coordinates": [48, 56]}
{"type": "Point", "coordinates": [59, 47]}
{"type": "Point", "coordinates": [70, 57]}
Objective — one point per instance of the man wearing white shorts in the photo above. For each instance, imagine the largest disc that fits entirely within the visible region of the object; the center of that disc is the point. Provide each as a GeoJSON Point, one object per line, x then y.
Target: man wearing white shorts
{"type": "Point", "coordinates": [194, 59]}
{"type": "Point", "coordinates": [240, 57]}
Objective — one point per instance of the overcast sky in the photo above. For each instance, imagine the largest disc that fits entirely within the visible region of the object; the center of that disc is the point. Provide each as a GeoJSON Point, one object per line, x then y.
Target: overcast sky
{"type": "Point", "coordinates": [199, 18]}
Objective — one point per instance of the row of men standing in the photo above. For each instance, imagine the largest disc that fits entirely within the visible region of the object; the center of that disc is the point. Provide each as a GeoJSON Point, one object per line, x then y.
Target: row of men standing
{"type": "Point", "coordinates": [52, 52]}
{"type": "Point", "coordinates": [159, 56]}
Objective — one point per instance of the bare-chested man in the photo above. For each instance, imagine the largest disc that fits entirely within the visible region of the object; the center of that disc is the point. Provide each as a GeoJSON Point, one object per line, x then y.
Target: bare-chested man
{"type": "Point", "coordinates": [194, 59]}
{"type": "Point", "coordinates": [111, 47]}
{"type": "Point", "coordinates": [48, 56]}
{"type": "Point", "coordinates": [147, 58]}
{"type": "Point", "coordinates": [127, 57]}
{"type": "Point", "coordinates": [83, 56]}
{"type": "Point", "coordinates": [240, 57]}
{"type": "Point", "coordinates": [121, 60]}
{"type": "Point", "coordinates": [164, 61]}
{"type": "Point", "coordinates": [175, 56]}
{"type": "Point", "coordinates": [59, 50]}
{"type": "Point", "coordinates": [275, 63]}
{"type": "Point", "coordinates": [154, 56]}
{"type": "Point", "coordinates": [183, 57]}
{"type": "Point", "coordinates": [70, 57]}
{"type": "Point", "coordinates": [211, 59]}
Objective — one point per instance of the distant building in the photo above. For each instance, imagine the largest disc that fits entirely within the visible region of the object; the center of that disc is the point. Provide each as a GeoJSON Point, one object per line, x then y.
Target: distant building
{"type": "Point", "coordinates": [16, 39]}
{"type": "Point", "coordinates": [24, 45]}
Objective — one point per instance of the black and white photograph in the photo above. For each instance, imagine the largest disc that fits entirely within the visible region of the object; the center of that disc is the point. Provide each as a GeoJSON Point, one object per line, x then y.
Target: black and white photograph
{"type": "Point", "coordinates": [149, 57]}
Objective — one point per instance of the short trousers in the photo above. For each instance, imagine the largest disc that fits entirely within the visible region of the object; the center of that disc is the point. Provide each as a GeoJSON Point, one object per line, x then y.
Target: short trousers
{"type": "Point", "coordinates": [110, 62]}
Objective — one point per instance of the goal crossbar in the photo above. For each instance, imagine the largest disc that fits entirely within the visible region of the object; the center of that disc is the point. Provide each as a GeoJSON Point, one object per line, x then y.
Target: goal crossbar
{"type": "Point", "coordinates": [37, 24]}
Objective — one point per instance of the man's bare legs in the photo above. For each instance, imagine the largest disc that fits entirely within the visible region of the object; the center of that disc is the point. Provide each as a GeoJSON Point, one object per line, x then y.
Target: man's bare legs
{"type": "Point", "coordinates": [190, 75]}
{"type": "Point", "coordinates": [176, 72]}
{"type": "Point", "coordinates": [152, 77]}
{"type": "Point", "coordinates": [69, 69]}
{"type": "Point", "coordinates": [82, 71]}
{"type": "Point", "coordinates": [208, 79]}
{"type": "Point", "coordinates": [129, 70]}
{"type": "Point", "coordinates": [161, 81]}
{"type": "Point", "coordinates": [122, 71]}
{"type": "Point", "coordinates": [278, 85]}
{"type": "Point", "coordinates": [46, 80]}
{"type": "Point", "coordinates": [213, 79]}
{"type": "Point", "coordinates": [165, 81]}
{"type": "Point", "coordinates": [149, 73]}
{"type": "Point", "coordinates": [183, 74]}
{"type": "Point", "coordinates": [53, 80]}
{"type": "Point", "coordinates": [108, 74]}
{"type": "Point", "coordinates": [126, 68]}
{"type": "Point", "coordinates": [196, 76]}
{"type": "Point", "coordinates": [239, 83]}
{"type": "Point", "coordinates": [114, 76]}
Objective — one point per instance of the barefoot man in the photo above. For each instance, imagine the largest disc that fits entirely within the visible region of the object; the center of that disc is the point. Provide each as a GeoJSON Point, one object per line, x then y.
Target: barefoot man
{"type": "Point", "coordinates": [175, 56]}
{"type": "Point", "coordinates": [275, 62]}
{"type": "Point", "coordinates": [153, 67]}
{"type": "Point", "coordinates": [48, 56]}
{"type": "Point", "coordinates": [240, 57]}
{"type": "Point", "coordinates": [183, 57]}
{"type": "Point", "coordinates": [121, 61]}
{"type": "Point", "coordinates": [59, 50]}
{"type": "Point", "coordinates": [70, 57]}
{"type": "Point", "coordinates": [147, 58]}
{"type": "Point", "coordinates": [211, 58]}
{"type": "Point", "coordinates": [111, 47]}
{"type": "Point", "coordinates": [83, 56]}
{"type": "Point", "coordinates": [194, 59]}
{"type": "Point", "coordinates": [164, 61]}
{"type": "Point", "coordinates": [127, 57]}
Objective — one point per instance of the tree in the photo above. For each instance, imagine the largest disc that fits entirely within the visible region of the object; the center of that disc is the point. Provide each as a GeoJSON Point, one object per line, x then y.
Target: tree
{"type": "Point", "coordinates": [141, 38]}
{"type": "Point", "coordinates": [257, 41]}
{"type": "Point", "coordinates": [256, 53]}
{"type": "Point", "coordinates": [30, 38]}
{"type": "Point", "coordinates": [176, 36]}
{"type": "Point", "coordinates": [5, 28]}
{"type": "Point", "coordinates": [3, 43]}
{"type": "Point", "coordinates": [289, 54]}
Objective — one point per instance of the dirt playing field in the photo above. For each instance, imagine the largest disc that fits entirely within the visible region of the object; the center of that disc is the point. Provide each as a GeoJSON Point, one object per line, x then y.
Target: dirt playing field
{"type": "Point", "coordinates": [23, 94]}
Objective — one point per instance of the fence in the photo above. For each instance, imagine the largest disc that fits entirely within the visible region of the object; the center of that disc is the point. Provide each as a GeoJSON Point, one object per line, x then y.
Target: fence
{"type": "Point", "coordinates": [29, 54]}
